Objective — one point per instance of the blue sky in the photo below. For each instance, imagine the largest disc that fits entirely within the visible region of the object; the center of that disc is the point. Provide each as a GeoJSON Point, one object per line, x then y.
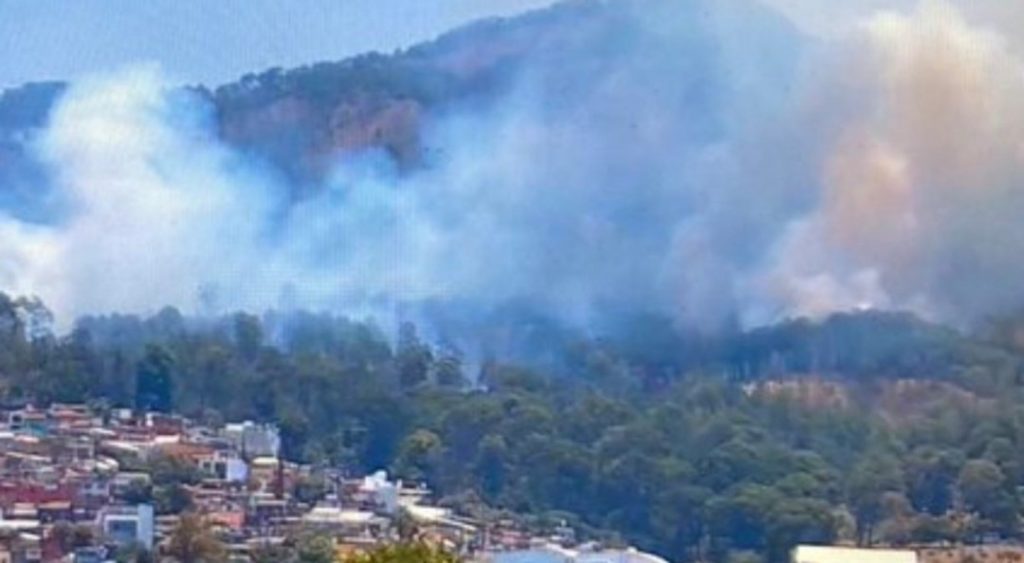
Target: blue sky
{"type": "Point", "coordinates": [215, 41]}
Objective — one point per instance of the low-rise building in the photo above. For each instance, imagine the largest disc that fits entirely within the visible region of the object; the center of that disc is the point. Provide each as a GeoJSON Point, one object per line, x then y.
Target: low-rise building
{"type": "Point", "coordinates": [254, 440]}
{"type": "Point", "coordinates": [832, 554]}
{"type": "Point", "coordinates": [550, 553]}
{"type": "Point", "coordinates": [127, 525]}
{"type": "Point", "coordinates": [225, 466]}
{"type": "Point", "coordinates": [89, 555]}
{"type": "Point", "coordinates": [343, 522]}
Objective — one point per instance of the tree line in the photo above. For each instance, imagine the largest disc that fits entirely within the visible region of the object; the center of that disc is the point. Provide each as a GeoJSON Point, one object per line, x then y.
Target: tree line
{"type": "Point", "coordinates": [644, 434]}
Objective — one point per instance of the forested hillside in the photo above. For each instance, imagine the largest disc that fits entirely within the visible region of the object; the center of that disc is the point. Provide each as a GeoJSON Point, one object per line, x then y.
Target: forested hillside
{"type": "Point", "coordinates": [597, 160]}
{"type": "Point", "coordinates": [869, 427]}
{"type": "Point", "coordinates": [300, 121]}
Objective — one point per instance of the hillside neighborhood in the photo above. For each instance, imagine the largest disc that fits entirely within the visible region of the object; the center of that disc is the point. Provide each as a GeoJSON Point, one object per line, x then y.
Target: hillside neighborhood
{"type": "Point", "coordinates": [82, 486]}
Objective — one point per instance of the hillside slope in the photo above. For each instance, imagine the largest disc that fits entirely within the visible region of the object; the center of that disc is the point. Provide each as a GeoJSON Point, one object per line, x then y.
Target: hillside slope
{"type": "Point", "coordinates": [302, 120]}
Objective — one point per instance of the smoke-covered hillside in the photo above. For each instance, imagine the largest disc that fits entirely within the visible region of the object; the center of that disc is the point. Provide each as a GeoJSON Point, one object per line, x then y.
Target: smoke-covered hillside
{"type": "Point", "coordinates": [681, 274]}
{"type": "Point", "coordinates": [699, 159]}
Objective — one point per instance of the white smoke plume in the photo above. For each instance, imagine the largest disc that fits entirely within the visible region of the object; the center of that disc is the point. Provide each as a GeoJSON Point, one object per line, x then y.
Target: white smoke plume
{"type": "Point", "coordinates": [156, 204]}
{"type": "Point", "coordinates": [723, 168]}
{"type": "Point", "coordinates": [922, 182]}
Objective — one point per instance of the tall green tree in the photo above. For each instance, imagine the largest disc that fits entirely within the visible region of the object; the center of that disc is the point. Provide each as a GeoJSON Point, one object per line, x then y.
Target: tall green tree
{"type": "Point", "coordinates": [192, 541]}
{"type": "Point", "coordinates": [871, 479]}
{"type": "Point", "coordinates": [154, 380]}
{"type": "Point", "coordinates": [315, 548]}
{"type": "Point", "coordinates": [404, 553]}
{"type": "Point", "coordinates": [413, 357]}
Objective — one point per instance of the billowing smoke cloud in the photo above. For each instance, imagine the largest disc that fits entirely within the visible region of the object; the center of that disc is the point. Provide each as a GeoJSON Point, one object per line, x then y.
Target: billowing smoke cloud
{"type": "Point", "coordinates": [921, 186]}
{"type": "Point", "coordinates": [155, 203]}
{"type": "Point", "coordinates": [716, 166]}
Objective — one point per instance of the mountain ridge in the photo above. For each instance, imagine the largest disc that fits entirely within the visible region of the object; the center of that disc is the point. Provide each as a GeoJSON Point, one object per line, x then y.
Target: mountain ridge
{"type": "Point", "coordinates": [304, 118]}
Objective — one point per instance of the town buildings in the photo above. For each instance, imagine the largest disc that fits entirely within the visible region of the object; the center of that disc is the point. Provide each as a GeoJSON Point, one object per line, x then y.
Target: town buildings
{"type": "Point", "coordinates": [78, 485]}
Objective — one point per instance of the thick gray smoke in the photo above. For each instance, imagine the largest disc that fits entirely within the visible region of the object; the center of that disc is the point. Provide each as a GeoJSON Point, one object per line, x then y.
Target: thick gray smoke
{"type": "Point", "coordinates": [718, 167]}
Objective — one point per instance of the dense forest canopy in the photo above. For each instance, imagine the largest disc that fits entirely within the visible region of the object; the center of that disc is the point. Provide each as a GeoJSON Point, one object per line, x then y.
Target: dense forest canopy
{"type": "Point", "coordinates": [869, 427]}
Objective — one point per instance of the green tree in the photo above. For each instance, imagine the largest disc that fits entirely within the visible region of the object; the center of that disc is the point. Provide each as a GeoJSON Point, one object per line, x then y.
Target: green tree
{"type": "Point", "coordinates": [248, 333]}
{"type": "Point", "coordinates": [138, 492]}
{"type": "Point", "coordinates": [404, 553]}
{"type": "Point", "coordinates": [932, 475]}
{"type": "Point", "coordinates": [981, 483]}
{"type": "Point", "coordinates": [315, 549]}
{"type": "Point", "coordinates": [154, 384]}
{"type": "Point", "coordinates": [869, 482]}
{"type": "Point", "coordinates": [491, 465]}
{"type": "Point", "coordinates": [419, 456]}
{"type": "Point", "coordinates": [272, 553]}
{"type": "Point", "coordinates": [985, 492]}
{"type": "Point", "coordinates": [448, 370]}
{"type": "Point", "coordinates": [170, 470]}
{"type": "Point", "coordinates": [191, 541]}
{"type": "Point", "coordinates": [172, 499]}
{"type": "Point", "coordinates": [413, 357]}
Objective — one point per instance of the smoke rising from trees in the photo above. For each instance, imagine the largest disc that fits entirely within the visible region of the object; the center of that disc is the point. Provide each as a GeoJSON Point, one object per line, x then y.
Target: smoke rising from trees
{"type": "Point", "coordinates": [709, 161]}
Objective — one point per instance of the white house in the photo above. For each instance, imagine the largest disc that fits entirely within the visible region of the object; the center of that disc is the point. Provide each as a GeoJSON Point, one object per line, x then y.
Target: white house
{"type": "Point", "coordinates": [617, 556]}
{"type": "Point", "coordinates": [549, 553]}
{"type": "Point", "coordinates": [254, 440]}
{"type": "Point", "coordinates": [377, 489]}
{"type": "Point", "coordinates": [128, 525]}
{"type": "Point", "coordinates": [225, 466]}
{"type": "Point", "coordinates": [823, 554]}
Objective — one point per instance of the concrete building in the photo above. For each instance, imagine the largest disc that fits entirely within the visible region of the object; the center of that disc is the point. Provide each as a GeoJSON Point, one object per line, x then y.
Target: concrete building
{"type": "Point", "coordinates": [254, 440]}
{"type": "Point", "coordinates": [550, 553]}
{"type": "Point", "coordinates": [344, 522]}
{"type": "Point", "coordinates": [538, 554]}
{"type": "Point", "coordinates": [127, 525]}
{"type": "Point", "coordinates": [617, 556]}
{"type": "Point", "coordinates": [225, 466]}
{"type": "Point", "coordinates": [822, 554]}
{"type": "Point", "coordinates": [380, 492]}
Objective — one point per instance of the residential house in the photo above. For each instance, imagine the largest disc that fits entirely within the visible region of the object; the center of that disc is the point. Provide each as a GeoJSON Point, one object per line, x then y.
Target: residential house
{"type": "Point", "coordinates": [127, 525]}
{"type": "Point", "coordinates": [832, 554]}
